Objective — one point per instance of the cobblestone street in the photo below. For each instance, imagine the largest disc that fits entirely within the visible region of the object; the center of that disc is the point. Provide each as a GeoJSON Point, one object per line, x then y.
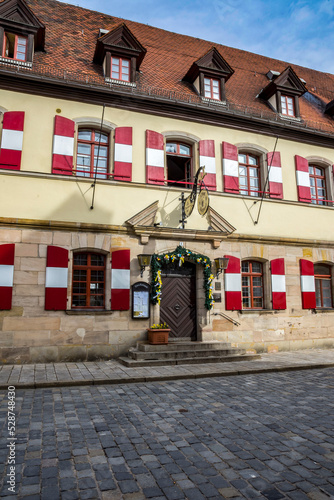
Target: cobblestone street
{"type": "Point", "coordinates": [267, 435]}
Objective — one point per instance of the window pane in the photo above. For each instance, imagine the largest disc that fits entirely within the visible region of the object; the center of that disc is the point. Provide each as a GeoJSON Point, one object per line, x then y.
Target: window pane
{"type": "Point", "coordinates": [97, 260]}
{"type": "Point", "coordinates": [242, 158]}
{"type": "Point", "coordinates": [184, 150]}
{"type": "Point", "coordinates": [80, 259]}
{"type": "Point", "coordinates": [85, 135]}
{"type": "Point", "coordinates": [170, 147]}
{"type": "Point", "coordinates": [252, 160]}
{"type": "Point", "coordinates": [257, 267]}
{"type": "Point", "coordinates": [79, 275]}
{"type": "Point", "coordinates": [245, 267]}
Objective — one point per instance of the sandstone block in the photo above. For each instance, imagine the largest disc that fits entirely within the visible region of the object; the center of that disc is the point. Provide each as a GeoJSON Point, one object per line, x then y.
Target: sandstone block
{"type": "Point", "coordinates": [43, 354]}
{"type": "Point", "coordinates": [72, 353]}
{"type": "Point", "coordinates": [35, 236]}
{"type": "Point", "coordinates": [26, 250]}
{"type": "Point", "coordinates": [62, 239]}
{"type": "Point", "coordinates": [25, 278]}
{"type": "Point", "coordinates": [14, 311]}
{"type": "Point", "coordinates": [29, 290]}
{"type": "Point", "coordinates": [96, 352]}
{"type": "Point", "coordinates": [32, 264]}
{"type": "Point", "coordinates": [27, 324]}
{"type": "Point", "coordinates": [10, 235]}
{"type": "Point", "coordinates": [31, 338]}
{"type": "Point", "coordinates": [13, 355]}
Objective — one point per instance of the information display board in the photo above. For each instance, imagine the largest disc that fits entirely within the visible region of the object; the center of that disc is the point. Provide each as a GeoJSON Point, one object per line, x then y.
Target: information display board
{"type": "Point", "coordinates": [140, 300]}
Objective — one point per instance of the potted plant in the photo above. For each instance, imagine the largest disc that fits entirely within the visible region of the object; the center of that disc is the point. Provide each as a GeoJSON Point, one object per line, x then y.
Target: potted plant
{"type": "Point", "coordinates": [158, 334]}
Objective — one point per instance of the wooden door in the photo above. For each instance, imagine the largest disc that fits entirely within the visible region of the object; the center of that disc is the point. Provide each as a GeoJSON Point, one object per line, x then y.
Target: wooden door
{"type": "Point", "coordinates": [178, 303]}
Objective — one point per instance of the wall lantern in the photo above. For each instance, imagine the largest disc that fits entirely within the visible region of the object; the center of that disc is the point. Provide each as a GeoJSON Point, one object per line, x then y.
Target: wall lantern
{"type": "Point", "coordinates": [144, 260]}
{"type": "Point", "coordinates": [220, 263]}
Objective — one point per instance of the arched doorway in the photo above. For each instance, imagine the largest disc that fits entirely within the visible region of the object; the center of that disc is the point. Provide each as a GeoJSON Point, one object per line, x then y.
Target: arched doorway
{"type": "Point", "coordinates": [178, 302]}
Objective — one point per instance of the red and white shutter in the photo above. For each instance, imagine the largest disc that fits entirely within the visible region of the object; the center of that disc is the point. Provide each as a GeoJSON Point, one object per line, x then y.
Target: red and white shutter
{"type": "Point", "coordinates": [230, 168]}
{"type": "Point", "coordinates": [7, 253]}
{"type": "Point", "coordinates": [63, 146]}
{"type": "Point", "coordinates": [303, 179]}
{"type": "Point", "coordinates": [307, 284]}
{"type": "Point", "coordinates": [278, 286]}
{"type": "Point", "coordinates": [155, 158]}
{"type": "Point", "coordinates": [123, 154]}
{"type": "Point", "coordinates": [275, 175]}
{"type": "Point", "coordinates": [12, 140]}
{"type": "Point", "coordinates": [232, 280]}
{"type": "Point", "coordinates": [120, 280]}
{"type": "Point", "coordinates": [207, 159]}
{"type": "Point", "coordinates": [56, 279]}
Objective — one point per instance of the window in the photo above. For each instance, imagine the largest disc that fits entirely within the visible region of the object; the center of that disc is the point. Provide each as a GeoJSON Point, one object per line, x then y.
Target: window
{"type": "Point", "coordinates": [252, 285]}
{"type": "Point", "coordinates": [88, 286]}
{"type": "Point", "coordinates": [287, 105]}
{"type": "Point", "coordinates": [179, 158]}
{"type": "Point", "coordinates": [92, 154]}
{"type": "Point", "coordinates": [15, 47]}
{"type": "Point", "coordinates": [323, 285]}
{"type": "Point", "coordinates": [120, 69]}
{"type": "Point", "coordinates": [249, 174]}
{"type": "Point", "coordinates": [211, 88]}
{"type": "Point", "coordinates": [318, 185]}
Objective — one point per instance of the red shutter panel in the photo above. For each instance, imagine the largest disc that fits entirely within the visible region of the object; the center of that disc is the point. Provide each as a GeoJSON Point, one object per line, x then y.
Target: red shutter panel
{"type": "Point", "coordinates": [278, 286]}
{"type": "Point", "coordinates": [155, 158]}
{"type": "Point", "coordinates": [275, 175]}
{"type": "Point", "coordinates": [63, 146]}
{"type": "Point", "coordinates": [123, 154]}
{"type": "Point", "coordinates": [230, 168]}
{"type": "Point", "coordinates": [307, 284]}
{"type": "Point", "coordinates": [120, 280]}
{"type": "Point", "coordinates": [56, 279]}
{"type": "Point", "coordinates": [207, 159]}
{"type": "Point", "coordinates": [303, 179]}
{"type": "Point", "coordinates": [12, 140]}
{"type": "Point", "coordinates": [7, 253]}
{"type": "Point", "coordinates": [232, 279]}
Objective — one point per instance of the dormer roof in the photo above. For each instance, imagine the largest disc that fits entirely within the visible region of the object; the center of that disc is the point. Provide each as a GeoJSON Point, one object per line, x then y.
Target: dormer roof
{"type": "Point", "coordinates": [286, 82]}
{"type": "Point", "coordinates": [212, 63]}
{"type": "Point", "coordinates": [121, 41]}
{"type": "Point", "coordinates": [16, 16]}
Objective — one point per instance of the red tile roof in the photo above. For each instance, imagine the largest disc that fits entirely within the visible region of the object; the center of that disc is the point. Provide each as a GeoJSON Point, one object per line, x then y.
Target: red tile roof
{"type": "Point", "coordinates": [72, 32]}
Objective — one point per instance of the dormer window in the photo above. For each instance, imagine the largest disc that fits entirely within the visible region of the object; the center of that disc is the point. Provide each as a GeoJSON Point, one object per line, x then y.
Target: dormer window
{"type": "Point", "coordinates": [211, 88]}
{"type": "Point", "coordinates": [120, 69]}
{"type": "Point", "coordinates": [287, 105]}
{"type": "Point", "coordinates": [283, 92]}
{"type": "Point", "coordinates": [15, 47]}
{"type": "Point", "coordinates": [209, 75]}
{"type": "Point", "coordinates": [120, 54]}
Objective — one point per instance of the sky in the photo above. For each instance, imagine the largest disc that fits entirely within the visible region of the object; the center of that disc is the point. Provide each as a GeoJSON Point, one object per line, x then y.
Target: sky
{"type": "Point", "coordinates": [299, 31]}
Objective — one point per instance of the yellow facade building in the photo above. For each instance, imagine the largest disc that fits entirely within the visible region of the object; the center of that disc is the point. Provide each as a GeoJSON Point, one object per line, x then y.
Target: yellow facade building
{"type": "Point", "coordinates": [119, 139]}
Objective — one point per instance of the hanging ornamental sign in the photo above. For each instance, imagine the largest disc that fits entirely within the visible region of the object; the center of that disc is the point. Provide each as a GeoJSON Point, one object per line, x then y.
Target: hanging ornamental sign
{"type": "Point", "coordinates": [179, 255]}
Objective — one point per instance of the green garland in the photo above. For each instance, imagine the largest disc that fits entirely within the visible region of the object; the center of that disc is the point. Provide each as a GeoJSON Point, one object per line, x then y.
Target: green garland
{"type": "Point", "coordinates": [179, 255]}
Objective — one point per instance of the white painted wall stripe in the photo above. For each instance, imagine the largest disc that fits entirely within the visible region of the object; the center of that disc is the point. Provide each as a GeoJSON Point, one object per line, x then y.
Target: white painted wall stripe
{"type": "Point", "coordinates": [12, 139]}
{"type": "Point", "coordinates": [209, 163]}
{"type": "Point", "coordinates": [63, 145]}
{"type": "Point", "coordinates": [56, 277]}
{"type": "Point", "coordinates": [232, 282]}
{"type": "Point", "coordinates": [278, 283]}
{"type": "Point", "coordinates": [303, 178]}
{"type": "Point", "coordinates": [307, 283]}
{"type": "Point", "coordinates": [120, 279]}
{"type": "Point", "coordinates": [275, 175]}
{"type": "Point", "coordinates": [123, 152]}
{"type": "Point", "coordinates": [155, 157]}
{"type": "Point", "coordinates": [230, 167]}
{"type": "Point", "coordinates": [6, 275]}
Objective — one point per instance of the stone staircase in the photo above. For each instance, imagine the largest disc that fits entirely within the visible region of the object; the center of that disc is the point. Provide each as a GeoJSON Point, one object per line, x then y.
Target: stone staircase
{"type": "Point", "coordinates": [182, 353]}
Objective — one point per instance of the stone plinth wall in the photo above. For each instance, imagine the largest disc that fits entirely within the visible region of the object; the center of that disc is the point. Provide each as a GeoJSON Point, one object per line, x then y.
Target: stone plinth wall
{"type": "Point", "coordinates": [28, 333]}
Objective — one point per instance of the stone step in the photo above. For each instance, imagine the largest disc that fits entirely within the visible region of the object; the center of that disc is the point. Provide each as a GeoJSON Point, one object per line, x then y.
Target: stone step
{"type": "Point", "coordinates": [183, 353]}
{"type": "Point", "coordinates": [189, 346]}
{"type": "Point", "coordinates": [186, 361]}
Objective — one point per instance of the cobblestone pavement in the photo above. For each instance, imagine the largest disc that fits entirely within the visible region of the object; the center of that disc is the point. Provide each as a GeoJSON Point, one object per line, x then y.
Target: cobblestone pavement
{"type": "Point", "coordinates": [112, 372]}
{"type": "Point", "coordinates": [268, 435]}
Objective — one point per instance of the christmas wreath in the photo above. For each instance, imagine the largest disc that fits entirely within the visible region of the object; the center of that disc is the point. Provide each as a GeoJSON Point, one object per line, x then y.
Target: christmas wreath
{"type": "Point", "coordinates": [179, 254]}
